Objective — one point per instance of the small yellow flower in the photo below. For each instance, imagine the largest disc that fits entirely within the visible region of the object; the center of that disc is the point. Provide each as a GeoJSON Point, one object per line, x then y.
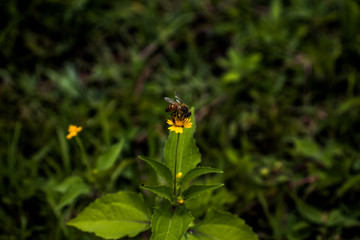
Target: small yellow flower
{"type": "Point", "coordinates": [264, 171]}
{"type": "Point", "coordinates": [179, 175]}
{"type": "Point", "coordinates": [179, 124]}
{"type": "Point", "coordinates": [73, 131]}
{"type": "Point", "coordinates": [180, 200]}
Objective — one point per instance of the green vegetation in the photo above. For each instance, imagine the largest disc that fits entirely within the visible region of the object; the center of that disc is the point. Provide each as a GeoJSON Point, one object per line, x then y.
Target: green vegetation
{"type": "Point", "coordinates": [115, 216]}
{"type": "Point", "coordinates": [274, 85]}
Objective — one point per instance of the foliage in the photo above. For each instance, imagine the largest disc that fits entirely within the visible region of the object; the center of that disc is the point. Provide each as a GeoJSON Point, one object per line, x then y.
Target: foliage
{"type": "Point", "coordinates": [168, 223]}
{"type": "Point", "coordinates": [124, 213]}
{"type": "Point", "coordinates": [220, 225]}
{"type": "Point", "coordinates": [114, 216]}
{"type": "Point", "coordinates": [274, 84]}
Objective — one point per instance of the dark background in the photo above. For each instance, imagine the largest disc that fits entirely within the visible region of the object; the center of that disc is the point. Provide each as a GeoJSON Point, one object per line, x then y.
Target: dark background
{"type": "Point", "coordinates": [274, 85]}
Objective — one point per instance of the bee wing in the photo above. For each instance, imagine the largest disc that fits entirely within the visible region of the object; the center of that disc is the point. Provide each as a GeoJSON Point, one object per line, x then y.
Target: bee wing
{"type": "Point", "coordinates": [169, 100]}
{"type": "Point", "coordinates": [178, 99]}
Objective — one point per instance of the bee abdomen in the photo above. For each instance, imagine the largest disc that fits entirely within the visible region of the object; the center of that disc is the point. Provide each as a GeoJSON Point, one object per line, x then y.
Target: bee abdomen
{"type": "Point", "coordinates": [171, 108]}
{"type": "Point", "coordinates": [168, 108]}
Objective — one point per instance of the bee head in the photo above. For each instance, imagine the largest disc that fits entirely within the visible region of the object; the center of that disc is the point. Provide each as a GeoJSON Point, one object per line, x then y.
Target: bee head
{"type": "Point", "coordinates": [184, 109]}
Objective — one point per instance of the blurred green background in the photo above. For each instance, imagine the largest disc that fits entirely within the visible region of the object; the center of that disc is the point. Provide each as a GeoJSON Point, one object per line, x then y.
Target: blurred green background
{"type": "Point", "coordinates": [274, 85]}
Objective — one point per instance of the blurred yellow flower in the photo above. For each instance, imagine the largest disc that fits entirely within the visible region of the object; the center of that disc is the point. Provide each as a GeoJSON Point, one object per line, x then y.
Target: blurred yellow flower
{"type": "Point", "coordinates": [180, 200]}
{"type": "Point", "coordinates": [179, 124]}
{"type": "Point", "coordinates": [264, 171]}
{"type": "Point", "coordinates": [179, 175]}
{"type": "Point", "coordinates": [73, 131]}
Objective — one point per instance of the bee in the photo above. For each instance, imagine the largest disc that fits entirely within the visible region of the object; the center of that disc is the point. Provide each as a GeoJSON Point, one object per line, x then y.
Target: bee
{"type": "Point", "coordinates": [177, 108]}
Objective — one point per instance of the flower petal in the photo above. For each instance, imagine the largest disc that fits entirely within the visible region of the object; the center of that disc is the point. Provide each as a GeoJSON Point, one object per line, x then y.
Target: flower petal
{"type": "Point", "coordinates": [179, 130]}
{"type": "Point", "coordinates": [176, 129]}
{"type": "Point", "coordinates": [188, 125]}
{"type": "Point", "coordinates": [72, 128]}
{"type": "Point", "coordinates": [172, 128]}
{"type": "Point", "coordinates": [70, 135]}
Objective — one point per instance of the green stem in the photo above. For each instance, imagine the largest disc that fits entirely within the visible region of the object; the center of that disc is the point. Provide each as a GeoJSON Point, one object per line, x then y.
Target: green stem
{"type": "Point", "coordinates": [177, 144]}
{"type": "Point", "coordinates": [84, 157]}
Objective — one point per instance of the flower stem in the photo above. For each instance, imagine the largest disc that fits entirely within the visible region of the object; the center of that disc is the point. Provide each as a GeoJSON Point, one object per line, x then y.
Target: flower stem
{"type": "Point", "coordinates": [84, 157]}
{"type": "Point", "coordinates": [177, 144]}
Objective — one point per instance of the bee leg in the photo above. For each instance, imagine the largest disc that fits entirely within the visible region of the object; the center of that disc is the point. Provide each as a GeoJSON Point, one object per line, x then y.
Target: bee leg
{"type": "Point", "coordinates": [173, 117]}
{"type": "Point", "coordinates": [179, 116]}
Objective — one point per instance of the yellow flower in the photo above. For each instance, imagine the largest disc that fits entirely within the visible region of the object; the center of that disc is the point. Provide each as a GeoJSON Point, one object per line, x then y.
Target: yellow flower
{"type": "Point", "coordinates": [179, 175]}
{"type": "Point", "coordinates": [179, 124]}
{"type": "Point", "coordinates": [264, 171]}
{"type": "Point", "coordinates": [73, 131]}
{"type": "Point", "coordinates": [180, 200]}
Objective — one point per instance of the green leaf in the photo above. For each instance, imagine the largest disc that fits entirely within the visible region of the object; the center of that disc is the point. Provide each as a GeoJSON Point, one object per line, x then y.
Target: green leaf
{"type": "Point", "coordinates": [309, 212]}
{"type": "Point", "coordinates": [196, 172]}
{"type": "Point", "coordinates": [221, 225]}
{"type": "Point", "coordinates": [195, 190]}
{"type": "Point", "coordinates": [108, 158]}
{"type": "Point", "coordinates": [70, 188]}
{"type": "Point", "coordinates": [349, 184]}
{"type": "Point", "coordinates": [348, 105]}
{"type": "Point", "coordinates": [161, 191]}
{"type": "Point", "coordinates": [276, 10]}
{"type": "Point", "coordinates": [170, 224]}
{"type": "Point", "coordinates": [307, 147]}
{"type": "Point", "coordinates": [114, 216]}
{"type": "Point", "coordinates": [160, 168]}
{"type": "Point", "coordinates": [335, 218]}
{"type": "Point", "coordinates": [188, 155]}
